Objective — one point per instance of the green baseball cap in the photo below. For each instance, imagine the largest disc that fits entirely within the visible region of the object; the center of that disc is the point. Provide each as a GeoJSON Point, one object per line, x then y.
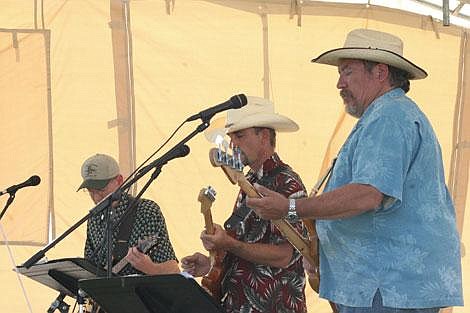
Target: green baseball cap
{"type": "Point", "coordinates": [98, 170]}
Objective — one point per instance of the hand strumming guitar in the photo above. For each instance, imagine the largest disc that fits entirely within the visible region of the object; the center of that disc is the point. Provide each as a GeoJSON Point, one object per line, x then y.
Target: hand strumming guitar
{"type": "Point", "coordinates": [197, 264]}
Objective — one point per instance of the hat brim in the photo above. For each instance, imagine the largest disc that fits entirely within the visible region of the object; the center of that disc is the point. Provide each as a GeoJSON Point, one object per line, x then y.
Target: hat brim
{"type": "Point", "coordinates": [332, 57]}
{"type": "Point", "coordinates": [94, 184]}
{"type": "Point", "coordinates": [275, 121]}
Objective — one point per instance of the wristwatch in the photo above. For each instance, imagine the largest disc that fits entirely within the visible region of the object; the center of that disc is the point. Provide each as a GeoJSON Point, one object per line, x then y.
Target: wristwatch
{"type": "Point", "coordinates": [292, 212]}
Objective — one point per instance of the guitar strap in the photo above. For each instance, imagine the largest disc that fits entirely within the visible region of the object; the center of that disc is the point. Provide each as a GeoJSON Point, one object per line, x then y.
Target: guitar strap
{"type": "Point", "coordinates": [236, 221]}
{"type": "Point", "coordinates": [323, 179]}
{"type": "Point", "coordinates": [122, 239]}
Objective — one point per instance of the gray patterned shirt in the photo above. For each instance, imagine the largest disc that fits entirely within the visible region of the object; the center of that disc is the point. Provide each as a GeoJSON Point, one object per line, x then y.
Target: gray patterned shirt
{"type": "Point", "coordinates": [149, 221]}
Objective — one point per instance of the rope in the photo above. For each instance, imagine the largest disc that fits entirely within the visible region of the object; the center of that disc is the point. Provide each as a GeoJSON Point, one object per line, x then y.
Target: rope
{"type": "Point", "coordinates": [16, 270]}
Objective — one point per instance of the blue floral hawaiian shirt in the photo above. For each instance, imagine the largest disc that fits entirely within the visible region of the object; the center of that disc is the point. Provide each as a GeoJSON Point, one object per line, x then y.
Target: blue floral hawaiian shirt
{"type": "Point", "coordinates": [408, 247]}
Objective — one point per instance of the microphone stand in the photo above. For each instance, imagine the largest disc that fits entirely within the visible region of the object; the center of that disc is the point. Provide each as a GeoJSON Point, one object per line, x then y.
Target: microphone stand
{"type": "Point", "coordinates": [105, 203]}
{"type": "Point", "coordinates": [9, 201]}
{"type": "Point", "coordinates": [174, 152]}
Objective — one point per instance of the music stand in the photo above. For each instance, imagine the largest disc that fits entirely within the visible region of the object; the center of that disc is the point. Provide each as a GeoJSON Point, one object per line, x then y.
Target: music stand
{"type": "Point", "coordinates": [170, 293]}
{"type": "Point", "coordinates": [62, 275]}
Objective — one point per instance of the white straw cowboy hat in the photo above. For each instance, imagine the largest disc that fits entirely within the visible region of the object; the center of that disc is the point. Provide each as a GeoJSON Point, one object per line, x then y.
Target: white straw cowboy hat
{"type": "Point", "coordinates": [258, 112]}
{"type": "Point", "coordinates": [371, 45]}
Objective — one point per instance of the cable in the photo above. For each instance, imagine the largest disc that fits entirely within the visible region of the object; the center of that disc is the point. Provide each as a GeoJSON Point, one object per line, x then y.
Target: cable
{"type": "Point", "coordinates": [16, 270]}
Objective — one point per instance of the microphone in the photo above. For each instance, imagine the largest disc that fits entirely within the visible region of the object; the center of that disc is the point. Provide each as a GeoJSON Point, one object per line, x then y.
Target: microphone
{"type": "Point", "coordinates": [234, 102]}
{"type": "Point", "coordinates": [178, 152]}
{"type": "Point", "coordinates": [32, 181]}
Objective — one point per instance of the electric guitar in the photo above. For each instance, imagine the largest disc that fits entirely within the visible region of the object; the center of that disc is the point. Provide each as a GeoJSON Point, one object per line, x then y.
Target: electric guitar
{"type": "Point", "coordinates": [306, 246]}
{"type": "Point", "coordinates": [212, 281]}
{"type": "Point", "coordinates": [143, 245]}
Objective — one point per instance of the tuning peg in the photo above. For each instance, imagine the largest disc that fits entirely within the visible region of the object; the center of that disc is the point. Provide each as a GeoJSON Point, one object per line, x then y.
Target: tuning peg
{"type": "Point", "coordinates": [237, 159]}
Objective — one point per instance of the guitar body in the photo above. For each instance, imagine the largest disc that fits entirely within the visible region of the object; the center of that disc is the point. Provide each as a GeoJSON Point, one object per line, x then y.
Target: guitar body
{"type": "Point", "coordinates": [313, 278]}
{"type": "Point", "coordinates": [212, 282]}
{"type": "Point", "coordinates": [143, 246]}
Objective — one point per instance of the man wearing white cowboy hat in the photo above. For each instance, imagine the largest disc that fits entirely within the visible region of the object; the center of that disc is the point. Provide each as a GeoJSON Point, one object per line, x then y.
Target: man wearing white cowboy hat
{"type": "Point", "coordinates": [261, 272]}
{"type": "Point", "coordinates": [386, 222]}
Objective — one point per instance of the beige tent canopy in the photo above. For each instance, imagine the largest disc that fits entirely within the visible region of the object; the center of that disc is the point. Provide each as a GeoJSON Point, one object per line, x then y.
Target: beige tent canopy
{"type": "Point", "coordinates": [79, 77]}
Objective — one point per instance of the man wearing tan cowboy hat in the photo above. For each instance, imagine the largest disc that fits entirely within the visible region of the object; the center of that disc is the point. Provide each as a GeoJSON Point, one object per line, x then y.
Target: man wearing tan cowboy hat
{"type": "Point", "coordinates": [145, 227]}
{"type": "Point", "coordinates": [386, 222]}
{"type": "Point", "coordinates": [261, 272]}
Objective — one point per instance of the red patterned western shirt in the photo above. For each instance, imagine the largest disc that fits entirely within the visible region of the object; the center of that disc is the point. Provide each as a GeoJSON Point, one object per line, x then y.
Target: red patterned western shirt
{"type": "Point", "coordinates": [257, 288]}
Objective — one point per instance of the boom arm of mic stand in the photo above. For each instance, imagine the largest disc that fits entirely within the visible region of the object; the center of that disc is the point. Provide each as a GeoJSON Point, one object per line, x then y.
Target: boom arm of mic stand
{"type": "Point", "coordinates": [9, 201]}
{"type": "Point", "coordinates": [110, 228]}
{"type": "Point", "coordinates": [105, 203]}
{"type": "Point", "coordinates": [157, 164]}
{"type": "Point", "coordinates": [41, 253]}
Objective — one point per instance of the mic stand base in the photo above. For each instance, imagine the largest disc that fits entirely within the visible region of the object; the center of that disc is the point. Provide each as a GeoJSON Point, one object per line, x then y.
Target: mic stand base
{"type": "Point", "coordinates": [81, 301]}
{"type": "Point", "coordinates": [59, 304]}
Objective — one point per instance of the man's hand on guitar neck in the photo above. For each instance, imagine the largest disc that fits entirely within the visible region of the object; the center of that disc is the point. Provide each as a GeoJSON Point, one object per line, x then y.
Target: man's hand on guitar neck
{"type": "Point", "coordinates": [220, 240]}
{"type": "Point", "coordinates": [144, 263]}
{"type": "Point", "coordinates": [139, 260]}
{"type": "Point", "coordinates": [271, 206]}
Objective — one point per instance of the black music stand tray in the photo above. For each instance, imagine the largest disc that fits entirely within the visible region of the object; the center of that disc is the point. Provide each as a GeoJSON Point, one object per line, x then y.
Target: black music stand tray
{"type": "Point", "coordinates": [171, 293]}
{"type": "Point", "coordinates": [62, 274]}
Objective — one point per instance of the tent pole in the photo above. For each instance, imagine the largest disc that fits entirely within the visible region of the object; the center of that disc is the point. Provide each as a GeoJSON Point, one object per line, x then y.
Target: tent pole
{"type": "Point", "coordinates": [445, 12]}
{"type": "Point", "coordinates": [266, 76]}
{"type": "Point", "coordinates": [123, 84]}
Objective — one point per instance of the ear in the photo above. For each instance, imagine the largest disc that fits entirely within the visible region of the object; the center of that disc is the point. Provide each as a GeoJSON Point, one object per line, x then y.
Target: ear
{"type": "Point", "coordinates": [381, 72]}
{"type": "Point", "coordinates": [265, 134]}
{"type": "Point", "coordinates": [119, 179]}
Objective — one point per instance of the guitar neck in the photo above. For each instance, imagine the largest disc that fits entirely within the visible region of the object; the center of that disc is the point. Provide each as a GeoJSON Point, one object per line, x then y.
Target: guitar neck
{"type": "Point", "coordinates": [210, 230]}
{"type": "Point", "coordinates": [208, 222]}
{"type": "Point", "coordinates": [207, 197]}
{"type": "Point", "coordinates": [119, 265]}
{"type": "Point", "coordinates": [296, 239]}
{"type": "Point", "coordinates": [304, 246]}
{"type": "Point", "coordinates": [143, 245]}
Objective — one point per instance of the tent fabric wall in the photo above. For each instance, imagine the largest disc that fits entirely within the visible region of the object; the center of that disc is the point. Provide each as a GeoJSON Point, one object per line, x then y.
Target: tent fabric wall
{"type": "Point", "coordinates": [25, 118]}
{"type": "Point", "coordinates": [459, 174]}
{"type": "Point", "coordinates": [188, 58]}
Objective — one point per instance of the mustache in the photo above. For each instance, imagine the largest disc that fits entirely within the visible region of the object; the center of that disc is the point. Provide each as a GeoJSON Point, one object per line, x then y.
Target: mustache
{"type": "Point", "coordinates": [344, 93]}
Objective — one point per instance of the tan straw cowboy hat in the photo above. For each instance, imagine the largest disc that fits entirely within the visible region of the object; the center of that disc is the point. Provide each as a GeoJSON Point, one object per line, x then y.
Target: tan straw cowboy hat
{"type": "Point", "coordinates": [371, 45]}
{"type": "Point", "coordinates": [258, 112]}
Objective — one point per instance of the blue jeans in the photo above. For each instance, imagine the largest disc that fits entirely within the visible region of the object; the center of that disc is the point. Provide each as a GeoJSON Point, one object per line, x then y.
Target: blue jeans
{"type": "Point", "coordinates": [377, 307]}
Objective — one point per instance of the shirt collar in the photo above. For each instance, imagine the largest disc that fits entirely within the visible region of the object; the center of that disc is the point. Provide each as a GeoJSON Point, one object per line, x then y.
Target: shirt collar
{"type": "Point", "coordinates": [271, 163]}
{"type": "Point", "coordinates": [377, 104]}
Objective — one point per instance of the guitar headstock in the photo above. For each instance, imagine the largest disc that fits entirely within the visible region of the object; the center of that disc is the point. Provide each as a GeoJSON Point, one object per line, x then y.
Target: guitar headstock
{"type": "Point", "coordinates": [206, 197]}
{"type": "Point", "coordinates": [233, 169]}
{"type": "Point", "coordinates": [144, 245]}
{"type": "Point", "coordinates": [231, 165]}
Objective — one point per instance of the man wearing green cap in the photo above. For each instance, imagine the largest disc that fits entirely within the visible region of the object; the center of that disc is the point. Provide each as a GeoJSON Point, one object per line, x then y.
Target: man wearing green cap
{"type": "Point", "coordinates": [145, 227]}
